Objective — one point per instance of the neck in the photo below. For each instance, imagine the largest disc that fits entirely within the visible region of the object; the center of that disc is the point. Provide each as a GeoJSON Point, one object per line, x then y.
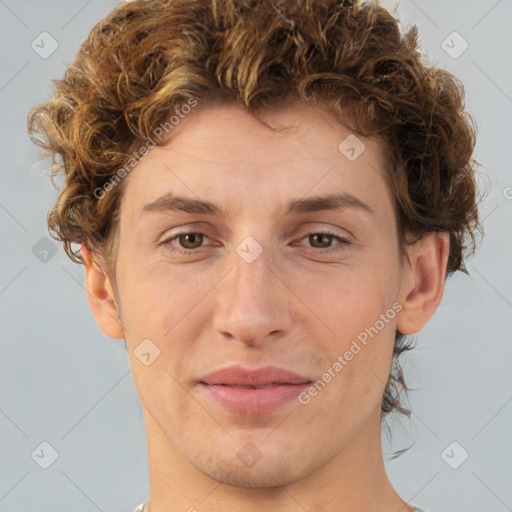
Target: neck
{"type": "Point", "coordinates": [354, 480]}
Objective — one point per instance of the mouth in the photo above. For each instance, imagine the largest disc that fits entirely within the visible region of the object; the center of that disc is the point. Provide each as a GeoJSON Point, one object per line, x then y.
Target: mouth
{"type": "Point", "coordinates": [262, 386]}
{"type": "Point", "coordinates": [253, 392]}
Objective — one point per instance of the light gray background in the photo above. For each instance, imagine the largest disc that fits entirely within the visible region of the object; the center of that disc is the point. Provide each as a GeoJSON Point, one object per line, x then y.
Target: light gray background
{"type": "Point", "coordinates": [63, 382]}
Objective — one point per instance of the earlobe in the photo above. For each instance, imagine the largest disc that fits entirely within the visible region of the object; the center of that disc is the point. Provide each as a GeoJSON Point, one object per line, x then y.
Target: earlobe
{"type": "Point", "coordinates": [423, 282]}
{"type": "Point", "coordinates": [100, 296]}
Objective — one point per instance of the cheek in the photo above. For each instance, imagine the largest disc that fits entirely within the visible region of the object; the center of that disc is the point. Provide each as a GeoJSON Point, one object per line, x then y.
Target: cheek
{"type": "Point", "coordinates": [156, 297]}
{"type": "Point", "coordinates": [347, 299]}
{"type": "Point", "coordinates": [160, 304]}
{"type": "Point", "coordinates": [356, 304]}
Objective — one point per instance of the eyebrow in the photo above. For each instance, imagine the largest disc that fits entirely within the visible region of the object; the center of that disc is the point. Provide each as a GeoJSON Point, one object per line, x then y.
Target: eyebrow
{"type": "Point", "coordinates": [171, 202]}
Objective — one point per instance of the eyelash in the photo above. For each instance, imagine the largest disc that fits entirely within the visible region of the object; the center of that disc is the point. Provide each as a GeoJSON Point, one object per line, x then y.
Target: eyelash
{"type": "Point", "coordinates": [340, 239]}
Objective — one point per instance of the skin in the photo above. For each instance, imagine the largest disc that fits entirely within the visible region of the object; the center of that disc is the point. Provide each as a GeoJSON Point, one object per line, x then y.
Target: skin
{"type": "Point", "coordinates": [295, 307]}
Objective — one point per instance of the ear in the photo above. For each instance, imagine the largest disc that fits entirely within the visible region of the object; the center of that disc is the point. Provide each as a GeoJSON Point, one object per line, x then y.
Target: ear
{"type": "Point", "coordinates": [423, 282]}
{"type": "Point", "coordinates": [101, 298]}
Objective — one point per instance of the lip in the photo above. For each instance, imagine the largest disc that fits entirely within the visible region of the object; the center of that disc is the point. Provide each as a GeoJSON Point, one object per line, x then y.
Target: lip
{"type": "Point", "coordinates": [253, 391]}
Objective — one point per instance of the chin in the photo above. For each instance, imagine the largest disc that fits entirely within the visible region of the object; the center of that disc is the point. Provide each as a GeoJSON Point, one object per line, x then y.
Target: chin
{"type": "Point", "coordinates": [255, 478]}
{"type": "Point", "coordinates": [247, 467]}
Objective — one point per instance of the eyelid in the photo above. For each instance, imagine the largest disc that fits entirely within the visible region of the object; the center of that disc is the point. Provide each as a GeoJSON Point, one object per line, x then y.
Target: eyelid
{"type": "Point", "coordinates": [175, 236]}
{"type": "Point", "coordinates": [343, 242]}
{"type": "Point", "coordinates": [311, 228]}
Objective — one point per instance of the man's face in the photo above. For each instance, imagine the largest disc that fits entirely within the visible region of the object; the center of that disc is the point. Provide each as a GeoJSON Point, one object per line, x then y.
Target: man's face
{"type": "Point", "coordinates": [298, 305]}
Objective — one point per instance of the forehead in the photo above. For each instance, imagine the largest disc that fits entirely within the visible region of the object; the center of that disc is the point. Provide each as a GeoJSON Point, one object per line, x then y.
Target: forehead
{"type": "Point", "coordinates": [222, 152]}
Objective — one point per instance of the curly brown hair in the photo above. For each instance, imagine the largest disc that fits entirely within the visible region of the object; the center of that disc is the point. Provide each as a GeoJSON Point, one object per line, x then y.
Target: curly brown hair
{"type": "Point", "coordinates": [147, 58]}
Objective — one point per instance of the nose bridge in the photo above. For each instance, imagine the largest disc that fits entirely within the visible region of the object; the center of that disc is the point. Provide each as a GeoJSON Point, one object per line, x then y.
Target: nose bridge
{"type": "Point", "coordinates": [251, 304]}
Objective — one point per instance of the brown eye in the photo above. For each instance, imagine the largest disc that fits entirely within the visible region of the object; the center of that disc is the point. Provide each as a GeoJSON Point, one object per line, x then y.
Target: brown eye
{"type": "Point", "coordinates": [324, 242]}
{"type": "Point", "coordinates": [185, 243]}
{"type": "Point", "coordinates": [321, 240]}
{"type": "Point", "coordinates": [191, 240]}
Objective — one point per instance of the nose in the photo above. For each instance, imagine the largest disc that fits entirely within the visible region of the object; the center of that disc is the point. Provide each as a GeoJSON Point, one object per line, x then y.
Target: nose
{"type": "Point", "coordinates": [252, 302]}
